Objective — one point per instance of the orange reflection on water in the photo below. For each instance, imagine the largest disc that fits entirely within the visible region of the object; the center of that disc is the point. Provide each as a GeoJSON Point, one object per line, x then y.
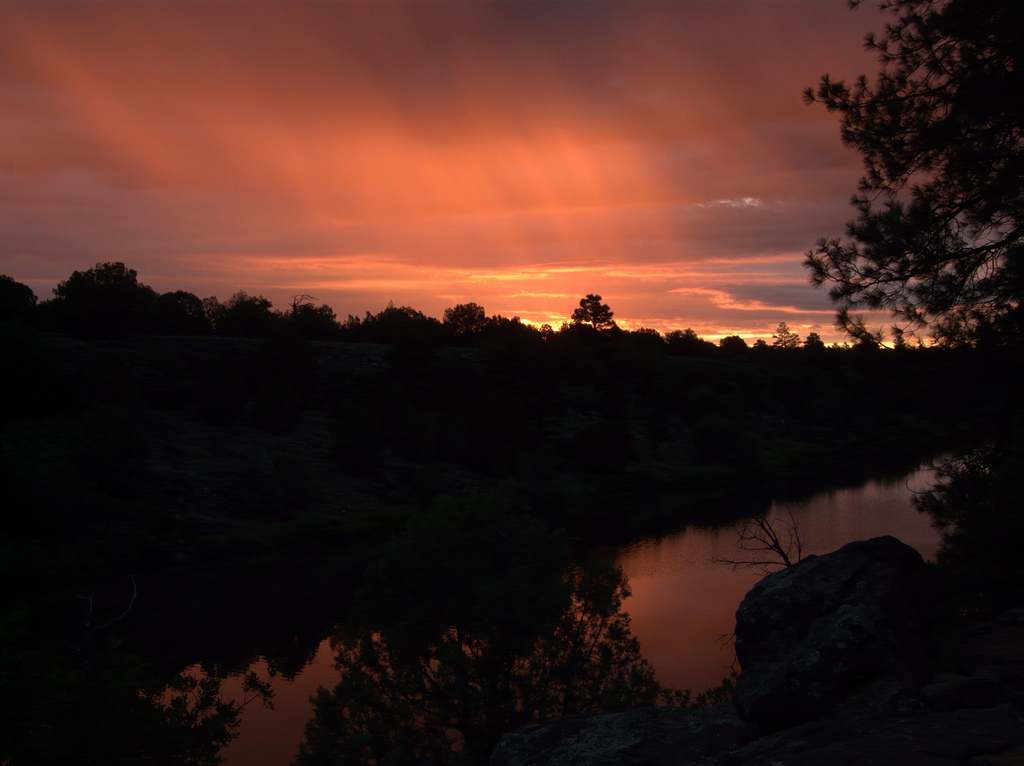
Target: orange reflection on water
{"type": "Point", "coordinates": [684, 604]}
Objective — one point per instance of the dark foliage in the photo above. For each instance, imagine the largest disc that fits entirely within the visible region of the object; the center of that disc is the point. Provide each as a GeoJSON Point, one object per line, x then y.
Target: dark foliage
{"type": "Point", "coordinates": [976, 505]}
{"type": "Point", "coordinates": [16, 300]}
{"type": "Point", "coordinates": [312, 322]}
{"type": "Point", "coordinates": [105, 301]}
{"type": "Point", "coordinates": [180, 313]}
{"type": "Point", "coordinates": [465, 319]}
{"type": "Point", "coordinates": [733, 345]}
{"type": "Point", "coordinates": [688, 343]}
{"type": "Point", "coordinates": [243, 316]}
{"type": "Point", "coordinates": [940, 227]}
{"type": "Point", "coordinates": [395, 325]}
{"type": "Point", "coordinates": [939, 241]}
{"type": "Point", "coordinates": [591, 312]}
{"type": "Point", "coordinates": [473, 623]}
{"type": "Point", "coordinates": [785, 339]}
{"type": "Point", "coordinates": [815, 344]}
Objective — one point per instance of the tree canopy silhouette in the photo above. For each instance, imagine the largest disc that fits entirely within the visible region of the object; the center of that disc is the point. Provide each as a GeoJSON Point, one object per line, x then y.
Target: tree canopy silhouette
{"type": "Point", "coordinates": [785, 338]}
{"type": "Point", "coordinates": [105, 300]}
{"type": "Point", "coordinates": [312, 322]}
{"type": "Point", "coordinates": [181, 313]}
{"type": "Point", "coordinates": [16, 300]}
{"type": "Point", "coordinates": [814, 342]}
{"type": "Point", "coordinates": [244, 315]}
{"type": "Point", "coordinates": [395, 325]}
{"type": "Point", "coordinates": [593, 313]}
{"type": "Point", "coordinates": [733, 344]}
{"type": "Point", "coordinates": [465, 319]}
{"type": "Point", "coordinates": [688, 343]}
{"type": "Point", "coordinates": [937, 239]}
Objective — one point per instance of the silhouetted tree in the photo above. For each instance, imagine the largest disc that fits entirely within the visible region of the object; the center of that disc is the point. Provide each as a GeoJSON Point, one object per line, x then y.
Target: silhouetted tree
{"type": "Point", "coordinates": [243, 316]}
{"type": "Point", "coordinates": [940, 208]}
{"type": "Point", "coordinates": [180, 313]}
{"type": "Point", "coordinates": [465, 319]}
{"type": "Point", "coordinates": [814, 342]}
{"type": "Point", "coordinates": [593, 313]}
{"type": "Point", "coordinates": [16, 300]}
{"type": "Point", "coordinates": [647, 340]}
{"type": "Point", "coordinates": [646, 332]}
{"type": "Point", "coordinates": [395, 325]}
{"type": "Point", "coordinates": [312, 322]}
{"type": "Point", "coordinates": [733, 345]}
{"type": "Point", "coordinates": [785, 338]}
{"type": "Point", "coordinates": [899, 340]}
{"type": "Point", "coordinates": [688, 343]}
{"type": "Point", "coordinates": [506, 333]}
{"type": "Point", "coordinates": [106, 300]}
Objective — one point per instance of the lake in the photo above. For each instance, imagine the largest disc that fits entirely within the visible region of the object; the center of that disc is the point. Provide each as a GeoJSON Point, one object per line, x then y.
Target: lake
{"type": "Point", "coordinates": [682, 606]}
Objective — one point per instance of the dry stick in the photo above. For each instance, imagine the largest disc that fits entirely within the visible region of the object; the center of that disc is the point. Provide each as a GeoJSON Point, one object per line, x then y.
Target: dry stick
{"type": "Point", "coordinates": [758, 535]}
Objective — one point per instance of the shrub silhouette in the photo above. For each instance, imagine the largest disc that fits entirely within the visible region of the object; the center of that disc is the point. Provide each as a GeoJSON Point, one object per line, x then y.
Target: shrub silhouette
{"type": "Point", "coordinates": [312, 322]}
{"type": "Point", "coordinates": [16, 300]}
{"type": "Point", "coordinates": [105, 301]}
{"type": "Point", "coordinates": [688, 343]}
{"type": "Point", "coordinates": [733, 345]}
{"type": "Point", "coordinates": [465, 319]}
{"type": "Point", "coordinates": [243, 316]}
{"type": "Point", "coordinates": [180, 313]}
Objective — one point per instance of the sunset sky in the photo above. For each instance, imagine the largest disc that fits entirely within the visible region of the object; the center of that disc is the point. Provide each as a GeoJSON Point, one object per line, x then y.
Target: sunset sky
{"type": "Point", "coordinates": [515, 153]}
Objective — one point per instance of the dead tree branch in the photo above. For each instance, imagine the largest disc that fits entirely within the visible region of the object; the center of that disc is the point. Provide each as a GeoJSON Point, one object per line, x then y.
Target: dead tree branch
{"type": "Point", "coordinates": [768, 546]}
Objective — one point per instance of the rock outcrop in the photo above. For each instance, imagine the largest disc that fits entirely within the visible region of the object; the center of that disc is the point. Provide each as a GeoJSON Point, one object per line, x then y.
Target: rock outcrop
{"type": "Point", "coordinates": [809, 635]}
{"type": "Point", "coordinates": [645, 735]}
{"type": "Point", "coordinates": [833, 671]}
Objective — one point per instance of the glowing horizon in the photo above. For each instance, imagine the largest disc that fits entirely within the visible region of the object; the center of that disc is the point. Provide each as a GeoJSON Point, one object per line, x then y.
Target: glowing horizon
{"type": "Point", "coordinates": [516, 155]}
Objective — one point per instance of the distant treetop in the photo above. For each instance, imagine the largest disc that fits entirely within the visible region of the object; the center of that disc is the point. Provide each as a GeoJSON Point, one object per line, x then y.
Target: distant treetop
{"type": "Point", "coordinates": [784, 337]}
{"type": "Point", "coordinates": [593, 313]}
{"type": "Point", "coordinates": [465, 319]}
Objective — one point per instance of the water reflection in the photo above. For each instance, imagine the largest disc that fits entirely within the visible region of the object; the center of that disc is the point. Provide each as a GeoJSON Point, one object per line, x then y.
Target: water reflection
{"type": "Point", "coordinates": [468, 628]}
{"type": "Point", "coordinates": [684, 604]}
{"type": "Point", "coordinates": [462, 636]}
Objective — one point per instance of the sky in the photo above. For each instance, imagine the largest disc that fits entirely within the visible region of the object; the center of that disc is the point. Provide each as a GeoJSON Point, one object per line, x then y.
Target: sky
{"type": "Point", "coordinates": [515, 153]}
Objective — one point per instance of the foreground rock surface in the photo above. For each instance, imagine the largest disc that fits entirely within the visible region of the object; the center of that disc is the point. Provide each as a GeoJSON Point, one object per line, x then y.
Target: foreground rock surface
{"type": "Point", "coordinates": [718, 737]}
{"type": "Point", "coordinates": [646, 735]}
{"type": "Point", "coordinates": [832, 653]}
{"type": "Point", "coordinates": [809, 635]}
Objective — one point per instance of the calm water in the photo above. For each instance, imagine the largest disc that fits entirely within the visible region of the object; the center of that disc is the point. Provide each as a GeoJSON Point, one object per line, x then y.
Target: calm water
{"type": "Point", "coordinates": [682, 605]}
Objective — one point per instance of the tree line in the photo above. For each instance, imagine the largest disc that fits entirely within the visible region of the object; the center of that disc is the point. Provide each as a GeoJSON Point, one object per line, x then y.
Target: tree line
{"type": "Point", "coordinates": [108, 300]}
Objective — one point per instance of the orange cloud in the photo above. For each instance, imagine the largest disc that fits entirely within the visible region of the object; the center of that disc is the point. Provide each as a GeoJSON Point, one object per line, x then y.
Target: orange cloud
{"type": "Point", "coordinates": [655, 153]}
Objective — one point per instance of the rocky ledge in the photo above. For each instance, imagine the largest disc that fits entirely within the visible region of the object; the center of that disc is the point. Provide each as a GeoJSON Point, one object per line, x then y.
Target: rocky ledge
{"type": "Point", "coordinates": [840, 665]}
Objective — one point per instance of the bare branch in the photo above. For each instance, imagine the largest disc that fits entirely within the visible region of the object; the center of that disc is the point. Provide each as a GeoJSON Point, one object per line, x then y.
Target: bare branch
{"type": "Point", "coordinates": [771, 548]}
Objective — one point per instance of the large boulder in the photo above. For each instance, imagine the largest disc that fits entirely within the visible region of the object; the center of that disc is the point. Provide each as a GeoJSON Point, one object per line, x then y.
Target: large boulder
{"type": "Point", "coordinates": [811, 634]}
{"type": "Point", "coordinates": [828, 648]}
